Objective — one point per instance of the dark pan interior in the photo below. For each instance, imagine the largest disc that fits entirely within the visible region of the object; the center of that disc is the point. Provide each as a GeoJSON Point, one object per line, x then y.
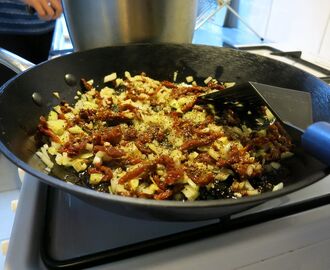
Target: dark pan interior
{"type": "Point", "coordinates": [19, 114]}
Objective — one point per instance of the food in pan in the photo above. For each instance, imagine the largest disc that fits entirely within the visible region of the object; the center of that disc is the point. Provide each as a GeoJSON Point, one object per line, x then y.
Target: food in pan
{"type": "Point", "coordinates": [141, 137]}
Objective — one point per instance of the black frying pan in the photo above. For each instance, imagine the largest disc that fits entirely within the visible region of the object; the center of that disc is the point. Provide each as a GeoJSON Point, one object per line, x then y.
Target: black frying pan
{"type": "Point", "coordinates": [19, 113]}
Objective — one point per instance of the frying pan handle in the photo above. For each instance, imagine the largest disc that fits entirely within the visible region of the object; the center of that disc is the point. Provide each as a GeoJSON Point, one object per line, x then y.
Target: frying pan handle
{"type": "Point", "coordinates": [14, 62]}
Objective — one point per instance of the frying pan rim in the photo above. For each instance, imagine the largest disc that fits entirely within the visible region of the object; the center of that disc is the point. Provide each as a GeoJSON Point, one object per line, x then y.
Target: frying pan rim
{"type": "Point", "coordinates": [71, 188]}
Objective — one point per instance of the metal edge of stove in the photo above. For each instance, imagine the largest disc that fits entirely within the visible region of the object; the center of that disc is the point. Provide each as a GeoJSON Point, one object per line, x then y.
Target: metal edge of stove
{"type": "Point", "coordinates": [291, 54]}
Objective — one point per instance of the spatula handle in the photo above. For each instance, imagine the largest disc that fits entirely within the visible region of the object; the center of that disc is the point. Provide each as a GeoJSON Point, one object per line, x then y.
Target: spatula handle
{"type": "Point", "coordinates": [316, 140]}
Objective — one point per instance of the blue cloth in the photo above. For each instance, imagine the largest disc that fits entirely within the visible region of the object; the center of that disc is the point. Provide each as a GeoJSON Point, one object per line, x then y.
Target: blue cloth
{"type": "Point", "coordinates": [15, 19]}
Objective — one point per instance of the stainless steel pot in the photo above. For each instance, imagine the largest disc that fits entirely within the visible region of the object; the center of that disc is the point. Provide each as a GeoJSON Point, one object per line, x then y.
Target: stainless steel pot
{"type": "Point", "coordinates": [106, 22]}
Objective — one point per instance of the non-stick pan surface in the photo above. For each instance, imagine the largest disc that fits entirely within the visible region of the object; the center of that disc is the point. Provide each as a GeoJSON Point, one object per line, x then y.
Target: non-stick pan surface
{"type": "Point", "coordinates": [19, 113]}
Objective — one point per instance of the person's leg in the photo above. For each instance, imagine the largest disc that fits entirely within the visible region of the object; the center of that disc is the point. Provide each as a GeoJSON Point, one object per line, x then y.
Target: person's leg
{"type": "Point", "coordinates": [16, 44]}
{"type": "Point", "coordinates": [34, 48]}
{"type": "Point", "coordinates": [40, 46]}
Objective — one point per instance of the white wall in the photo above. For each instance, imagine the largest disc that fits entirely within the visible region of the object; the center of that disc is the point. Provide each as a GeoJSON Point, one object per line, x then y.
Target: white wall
{"type": "Point", "coordinates": [300, 24]}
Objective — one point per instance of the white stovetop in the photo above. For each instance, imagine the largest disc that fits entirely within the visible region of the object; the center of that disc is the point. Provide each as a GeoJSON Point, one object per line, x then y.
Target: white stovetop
{"type": "Point", "coordinates": [300, 241]}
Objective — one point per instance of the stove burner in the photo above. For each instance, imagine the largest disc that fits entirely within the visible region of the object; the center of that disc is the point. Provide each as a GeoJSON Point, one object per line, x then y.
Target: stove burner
{"type": "Point", "coordinates": [110, 248]}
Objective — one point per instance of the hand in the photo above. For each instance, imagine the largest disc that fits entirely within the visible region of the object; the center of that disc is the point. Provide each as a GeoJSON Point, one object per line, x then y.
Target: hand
{"type": "Point", "coordinates": [47, 9]}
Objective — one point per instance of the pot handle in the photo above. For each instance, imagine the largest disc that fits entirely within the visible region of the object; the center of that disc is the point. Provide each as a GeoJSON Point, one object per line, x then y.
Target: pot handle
{"type": "Point", "coordinates": [14, 62]}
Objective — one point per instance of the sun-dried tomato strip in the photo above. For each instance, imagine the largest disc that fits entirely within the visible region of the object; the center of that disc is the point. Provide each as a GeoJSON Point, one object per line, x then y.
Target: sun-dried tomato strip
{"type": "Point", "coordinates": [112, 152]}
{"type": "Point", "coordinates": [169, 84]}
{"type": "Point", "coordinates": [189, 105]}
{"type": "Point", "coordinates": [194, 143]}
{"type": "Point", "coordinates": [184, 91]}
{"type": "Point", "coordinates": [235, 155]}
{"type": "Point", "coordinates": [131, 108]}
{"type": "Point", "coordinates": [142, 147]}
{"type": "Point", "coordinates": [106, 171]}
{"type": "Point", "coordinates": [163, 195]}
{"type": "Point", "coordinates": [85, 115]}
{"type": "Point", "coordinates": [65, 108]}
{"type": "Point", "coordinates": [107, 115]}
{"type": "Point", "coordinates": [86, 85]}
{"type": "Point", "coordinates": [74, 147]}
{"type": "Point", "coordinates": [43, 127]}
{"type": "Point", "coordinates": [114, 135]}
{"type": "Point", "coordinates": [205, 158]}
{"type": "Point", "coordinates": [173, 173]}
{"type": "Point", "coordinates": [130, 134]}
{"type": "Point", "coordinates": [137, 172]}
{"type": "Point", "coordinates": [199, 177]}
{"type": "Point", "coordinates": [215, 86]}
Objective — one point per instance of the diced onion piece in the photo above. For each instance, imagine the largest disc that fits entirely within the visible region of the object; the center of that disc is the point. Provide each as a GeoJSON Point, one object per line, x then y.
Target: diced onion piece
{"type": "Point", "coordinates": [97, 160]}
{"type": "Point", "coordinates": [153, 148]}
{"type": "Point", "coordinates": [56, 94]}
{"type": "Point", "coordinates": [119, 82]}
{"type": "Point", "coordinates": [223, 174]}
{"type": "Point", "coordinates": [89, 146]}
{"type": "Point", "coordinates": [75, 130]}
{"type": "Point", "coordinates": [215, 155]}
{"type": "Point", "coordinates": [269, 115]}
{"type": "Point", "coordinates": [79, 165]}
{"type": "Point", "coordinates": [190, 192]}
{"type": "Point", "coordinates": [95, 178]}
{"type": "Point", "coordinates": [43, 155]}
{"type": "Point", "coordinates": [207, 80]}
{"type": "Point", "coordinates": [279, 186]}
{"type": "Point", "coordinates": [252, 192]}
{"type": "Point", "coordinates": [98, 157]}
{"type": "Point", "coordinates": [286, 155]}
{"type": "Point", "coordinates": [275, 165]}
{"type": "Point", "coordinates": [150, 189]}
{"type": "Point", "coordinates": [229, 84]}
{"type": "Point", "coordinates": [128, 75]}
{"type": "Point", "coordinates": [175, 75]}
{"type": "Point", "coordinates": [45, 160]}
{"type": "Point", "coordinates": [52, 150]}
{"type": "Point", "coordinates": [110, 77]}
{"type": "Point", "coordinates": [134, 183]}
{"type": "Point", "coordinates": [57, 126]}
{"type": "Point", "coordinates": [249, 170]}
{"type": "Point", "coordinates": [86, 155]}
{"type": "Point", "coordinates": [52, 115]}
{"type": "Point", "coordinates": [192, 155]}
{"type": "Point", "coordinates": [189, 79]}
